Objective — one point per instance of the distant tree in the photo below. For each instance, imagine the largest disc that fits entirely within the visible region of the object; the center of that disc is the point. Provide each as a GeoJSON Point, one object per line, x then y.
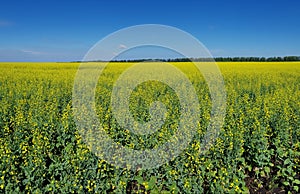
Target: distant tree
{"type": "Point", "coordinates": [262, 59]}
{"type": "Point", "coordinates": [291, 58]}
{"type": "Point", "coordinates": [218, 59]}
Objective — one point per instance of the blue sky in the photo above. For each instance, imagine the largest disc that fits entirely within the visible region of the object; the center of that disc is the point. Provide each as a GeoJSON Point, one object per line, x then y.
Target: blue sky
{"type": "Point", "coordinates": [65, 30]}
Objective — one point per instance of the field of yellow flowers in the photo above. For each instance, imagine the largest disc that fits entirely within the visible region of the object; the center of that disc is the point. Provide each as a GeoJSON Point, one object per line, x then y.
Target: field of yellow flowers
{"type": "Point", "coordinates": [257, 151]}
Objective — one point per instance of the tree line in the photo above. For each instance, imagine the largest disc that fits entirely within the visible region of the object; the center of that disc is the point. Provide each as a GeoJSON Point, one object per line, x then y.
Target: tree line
{"type": "Point", "coordinates": [263, 59]}
{"type": "Point", "coordinates": [219, 59]}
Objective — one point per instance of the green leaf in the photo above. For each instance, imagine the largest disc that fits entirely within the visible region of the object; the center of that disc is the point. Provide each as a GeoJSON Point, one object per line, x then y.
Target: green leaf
{"type": "Point", "coordinates": [262, 174]}
{"type": "Point", "coordinates": [152, 182]}
{"type": "Point", "coordinates": [296, 181]}
{"type": "Point", "coordinates": [139, 179]}
{"type": "Point", "coordinates": [287, 161]}
{"type": "Point", "coordinates": [286, 183]}
{"type": "Point", "coordinates": [267, 169]}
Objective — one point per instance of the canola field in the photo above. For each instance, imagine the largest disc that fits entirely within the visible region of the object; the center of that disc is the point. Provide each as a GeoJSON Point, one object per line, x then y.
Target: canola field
{"type": "Point", "coordinates": [257, 150]}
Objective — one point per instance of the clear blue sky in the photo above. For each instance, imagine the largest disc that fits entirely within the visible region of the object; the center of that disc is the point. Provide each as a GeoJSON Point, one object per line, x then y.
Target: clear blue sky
{"type": "Point", "coordinates": [65, 30]}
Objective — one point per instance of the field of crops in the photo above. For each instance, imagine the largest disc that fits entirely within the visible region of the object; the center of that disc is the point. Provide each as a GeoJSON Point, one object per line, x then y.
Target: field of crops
{"type": "Point", "coordinates": [258, 149]}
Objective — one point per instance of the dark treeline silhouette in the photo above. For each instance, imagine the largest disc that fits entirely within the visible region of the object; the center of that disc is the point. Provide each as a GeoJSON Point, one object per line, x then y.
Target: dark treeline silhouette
{"type": "Point", "coordinates": [249, 59]}
{"type": "Point", "coordinates": [219, 59]}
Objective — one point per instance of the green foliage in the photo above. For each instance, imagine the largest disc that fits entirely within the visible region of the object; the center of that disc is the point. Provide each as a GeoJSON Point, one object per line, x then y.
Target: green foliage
{"type": "Point", "coordinates": [258, 149]}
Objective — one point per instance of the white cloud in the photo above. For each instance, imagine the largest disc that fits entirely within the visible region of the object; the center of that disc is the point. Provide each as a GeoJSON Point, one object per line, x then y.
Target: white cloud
{"type": "Point", "coordinates": [122, 46]}
{"type": "Point", "coordinates": [19, 55]}
{"type": "Point", "coordinates": [32, 52]}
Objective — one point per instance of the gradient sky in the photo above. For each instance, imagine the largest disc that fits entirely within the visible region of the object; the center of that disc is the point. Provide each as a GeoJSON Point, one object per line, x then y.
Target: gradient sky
{"type": "Point", "coordinates": [65, 30]}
